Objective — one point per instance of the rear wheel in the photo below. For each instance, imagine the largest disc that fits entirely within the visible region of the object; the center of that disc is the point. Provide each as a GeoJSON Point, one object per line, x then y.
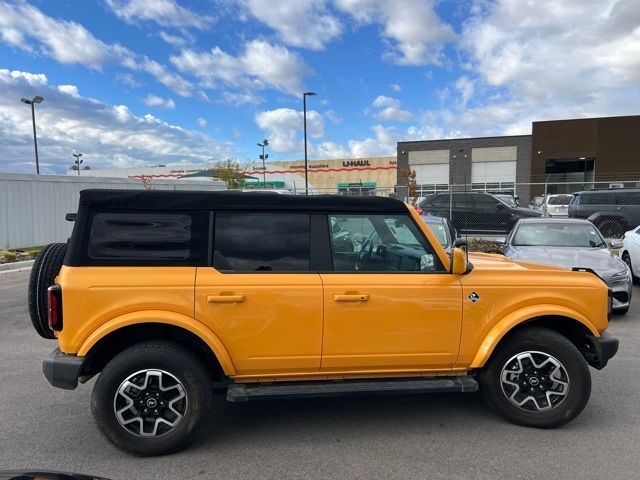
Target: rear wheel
{"type": "Point", "coordinates": [152, 398]}
{"type": "Point", "coordinates": [537, 379]}
{"type": "Point", "coordinates": [627, 259]}
{"type": "Point", "coordinates": [45, 269]}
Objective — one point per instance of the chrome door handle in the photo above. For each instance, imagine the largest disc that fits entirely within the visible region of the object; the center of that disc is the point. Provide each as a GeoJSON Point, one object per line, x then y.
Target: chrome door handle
{"type": "Point", "coordinates": [360, 297]}
{"type": "Point", "coordinates": [239, 297]}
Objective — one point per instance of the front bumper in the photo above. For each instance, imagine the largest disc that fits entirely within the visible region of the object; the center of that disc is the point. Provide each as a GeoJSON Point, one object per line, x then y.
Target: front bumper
{"type": "Point", "coordinates": [62, 370]}
{"type": "Point", "coordinates": [603, 348]}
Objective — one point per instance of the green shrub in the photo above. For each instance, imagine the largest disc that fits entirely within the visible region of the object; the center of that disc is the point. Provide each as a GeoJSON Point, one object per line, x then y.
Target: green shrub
{"type": "Point", "coordinates": [10, 256]}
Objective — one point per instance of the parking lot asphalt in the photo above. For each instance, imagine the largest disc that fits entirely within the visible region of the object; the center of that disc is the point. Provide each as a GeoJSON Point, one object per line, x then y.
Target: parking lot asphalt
{"type": "Point", "coordinates": [418, 436]}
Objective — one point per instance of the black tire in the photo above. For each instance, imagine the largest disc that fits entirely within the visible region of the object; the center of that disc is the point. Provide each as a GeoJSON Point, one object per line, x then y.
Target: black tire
{"type": "Point", "coordinates": [175, 361]}
{"type": "Point", "coordinates": [548, 343]}
{"type": "Point", "coordinates": [627, 259]}
{"type": "Point", "coordinates": [45, 269]}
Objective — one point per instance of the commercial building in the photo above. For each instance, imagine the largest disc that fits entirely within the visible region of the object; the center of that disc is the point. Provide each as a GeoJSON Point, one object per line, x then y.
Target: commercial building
{"type": "Point", "coordinates": [589, 152]}
{"type": "Point", "coordinates": [344, 175]}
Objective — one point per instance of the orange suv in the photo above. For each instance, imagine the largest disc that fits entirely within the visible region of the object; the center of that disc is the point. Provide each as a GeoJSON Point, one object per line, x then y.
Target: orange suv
{"type": "Point", "coordinates": [172, 296]}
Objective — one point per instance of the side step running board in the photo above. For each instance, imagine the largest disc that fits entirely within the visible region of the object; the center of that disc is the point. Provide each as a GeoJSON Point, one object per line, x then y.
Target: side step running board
{"type": "Point", "coordinates": [241, 392]}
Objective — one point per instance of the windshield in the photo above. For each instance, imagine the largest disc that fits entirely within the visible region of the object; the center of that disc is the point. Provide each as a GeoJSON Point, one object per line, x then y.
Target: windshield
{"type": "Point", "coordinates": [560, 200]}
{"type": "Point", "coordinates": [558, 235]}
{"type": "Point", "coordinates": [440, 231]}
{"type": "Point", "coordinates": [508, 199]}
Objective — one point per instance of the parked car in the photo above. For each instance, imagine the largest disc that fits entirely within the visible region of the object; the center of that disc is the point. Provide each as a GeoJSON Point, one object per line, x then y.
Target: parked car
{"type": "Point", "coordinates": [557, 205]}
{"type": "Point", "coordinates": [613, 211]}
{"type": "Point", "coordinates": [571, 244]}
{"type": "Point", "coordinates": [442, 229]}
{"type": "Point", "coordinates": [475, 212]}
{"type": "Point", "coordinates": [44, 475]}
{"type": "Point", "coordinates": [629, 252]}
{"type": "Point", "coordinates": [170, 296]}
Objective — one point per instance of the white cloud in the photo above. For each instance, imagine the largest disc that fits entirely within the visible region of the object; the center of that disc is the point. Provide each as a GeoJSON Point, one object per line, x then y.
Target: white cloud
{"type": "Point", "coordinates": [389, 109]}
{"type": "Point", "coordinates": [166, 13]}
{"type": "Point", "coordinates": [69, 89]}
{"type": "Point", "coordinates": [328, 150]}
{"type": "Point", "coordinates": [240, 98]}
{"type": "Point", "coordinates": [383, 144]}
{"type": "Point", "coordinates": [176, 41]}
{"type": "Point", "coordinates": [306, 24]}
{"type": "Point", "coordinates": [202, 122]}
{"type": "Point", "coordinates": [65, 41]}
{"type": "Point", "coordinates": [395, 87]}
{"type": "Point", "coordinates": [70, 43]}
{"type": "Point", "coordinates": [260, 65]}
{"type": "Point", "coordinates": [107, 135]}
{"type": "Point", "coordinates": [416, 33]}
{"type": "Point", "coordinates": [465, 88]}
{"type": "Point", "coordinates": [284, 127]}
{"type": "Point", "coordinates": [156, 101]}
{"type": "Point", "coordinates": [128, 80]}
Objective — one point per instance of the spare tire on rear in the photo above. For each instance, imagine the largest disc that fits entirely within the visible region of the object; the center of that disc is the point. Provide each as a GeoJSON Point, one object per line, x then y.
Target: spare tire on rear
{"type": "Point", "coordinates": [43, 273]}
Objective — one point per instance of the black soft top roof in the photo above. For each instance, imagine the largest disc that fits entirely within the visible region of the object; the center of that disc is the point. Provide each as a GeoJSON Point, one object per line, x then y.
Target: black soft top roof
{"type": "Point", "coordinates": [168, 200]}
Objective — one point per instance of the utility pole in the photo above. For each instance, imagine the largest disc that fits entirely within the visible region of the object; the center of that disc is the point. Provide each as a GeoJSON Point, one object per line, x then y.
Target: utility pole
{"type": "Point", "coordinates": [32, 102]}
{"type": "Point", "coordinates": [306, 161]}
{"type": "Point", "coordinates": [263, 157]}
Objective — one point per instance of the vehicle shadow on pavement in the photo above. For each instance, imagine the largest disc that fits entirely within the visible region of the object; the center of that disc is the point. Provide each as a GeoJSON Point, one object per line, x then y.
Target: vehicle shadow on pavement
{"type": "Point", "coordinates": [343, 417]}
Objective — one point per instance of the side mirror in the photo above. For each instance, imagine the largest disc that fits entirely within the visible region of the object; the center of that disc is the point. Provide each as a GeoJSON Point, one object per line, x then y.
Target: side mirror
{"type": "Point", "coordinates": [616, 244]}
{"type": "Point", "coordinates": [459, 242]}
{"type": "Point", "coordinates": [500, 206]}
{"type": "Point", "coordinates": [459, 264]}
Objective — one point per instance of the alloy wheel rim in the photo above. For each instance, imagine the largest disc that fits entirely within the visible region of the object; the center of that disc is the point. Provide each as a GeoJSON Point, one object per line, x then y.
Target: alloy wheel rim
{"type": "Point", "coordinates": [534, 381]}
{"type": "Point", "coordinates": [150, 403]}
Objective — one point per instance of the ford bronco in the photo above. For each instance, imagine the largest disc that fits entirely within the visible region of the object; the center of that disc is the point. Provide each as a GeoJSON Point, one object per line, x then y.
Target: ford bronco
{"type": "Point", "coordinates": [170, 297]}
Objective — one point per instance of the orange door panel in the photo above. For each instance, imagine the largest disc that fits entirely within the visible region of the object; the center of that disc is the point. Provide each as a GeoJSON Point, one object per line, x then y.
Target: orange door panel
{"type": "Point", "coordinates": [269, 322]}
{"type": "Point", "coordinates": [394, 321]}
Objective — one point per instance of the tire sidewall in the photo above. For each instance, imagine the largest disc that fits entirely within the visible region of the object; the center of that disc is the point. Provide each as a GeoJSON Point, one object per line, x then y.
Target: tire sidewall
{"type": "Point", "coordinates": [568, 409]}
{"type": "Point", "coordinates": [188, 372]}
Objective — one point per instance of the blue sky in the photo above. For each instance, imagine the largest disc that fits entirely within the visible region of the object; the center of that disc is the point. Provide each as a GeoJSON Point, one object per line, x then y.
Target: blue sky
{"type": "Point", "coordinates": [134, 82]}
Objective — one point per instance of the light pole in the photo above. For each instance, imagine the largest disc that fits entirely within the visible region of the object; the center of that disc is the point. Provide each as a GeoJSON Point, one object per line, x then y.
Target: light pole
{"type": "Point", "coordinates": [32, 102]}
{"type": "Point", "coordinates": [78, 161]}
{"type": "Point", "coordinates": [306, 161]}
{"type": "Point", "coordinates": [263, 157]}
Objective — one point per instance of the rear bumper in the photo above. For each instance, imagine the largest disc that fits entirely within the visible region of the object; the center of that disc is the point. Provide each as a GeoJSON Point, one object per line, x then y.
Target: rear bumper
{"type": "Point", "coordinates": [62, 370]}
{"type": "Point", "coordinates": [604, 348]}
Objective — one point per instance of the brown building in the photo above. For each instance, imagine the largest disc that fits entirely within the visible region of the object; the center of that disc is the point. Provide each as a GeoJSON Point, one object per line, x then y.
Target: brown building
{"type": "Point", "coordinates": [586, 150]}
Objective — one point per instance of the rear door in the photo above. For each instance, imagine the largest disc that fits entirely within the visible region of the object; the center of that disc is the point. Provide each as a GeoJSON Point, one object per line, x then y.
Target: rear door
{"type": "Point", "coordinates": [260, 296]}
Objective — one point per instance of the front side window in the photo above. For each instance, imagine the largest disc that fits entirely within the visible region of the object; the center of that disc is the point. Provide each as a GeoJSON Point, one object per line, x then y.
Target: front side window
{"type": "Point", "coordinates": [261, 242]}
{"type": "Point", "coordinates": [381, 243]}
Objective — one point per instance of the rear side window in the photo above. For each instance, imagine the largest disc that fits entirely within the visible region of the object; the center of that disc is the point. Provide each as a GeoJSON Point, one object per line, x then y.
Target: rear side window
{"type": "Point", "coordinates": [148, 238]}
{"type": "Point", "coordinates": [261, 242]}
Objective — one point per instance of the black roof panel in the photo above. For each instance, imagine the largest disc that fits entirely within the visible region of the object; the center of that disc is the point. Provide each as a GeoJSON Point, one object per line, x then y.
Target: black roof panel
{"type": "Point", "coordinates": [168, 200]}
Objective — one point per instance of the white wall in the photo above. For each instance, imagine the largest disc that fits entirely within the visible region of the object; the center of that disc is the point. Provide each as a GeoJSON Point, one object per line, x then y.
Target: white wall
{"type": "Point", "coordinates": [33, 207]}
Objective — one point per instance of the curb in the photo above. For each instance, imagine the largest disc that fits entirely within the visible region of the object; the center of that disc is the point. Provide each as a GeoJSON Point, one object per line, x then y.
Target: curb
{"type": "Point", "coordinates": [9, 267]}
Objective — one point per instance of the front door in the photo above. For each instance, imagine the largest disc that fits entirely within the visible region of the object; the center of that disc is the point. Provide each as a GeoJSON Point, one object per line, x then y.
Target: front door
{"type": "Point", "coordinates": [388, 304]}
{"type": "Point", "coordinates": [260, 297]}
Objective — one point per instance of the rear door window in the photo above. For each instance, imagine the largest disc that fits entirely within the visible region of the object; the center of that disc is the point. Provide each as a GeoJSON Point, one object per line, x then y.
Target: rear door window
{"type": "Point", "coordinates": [261, 242]}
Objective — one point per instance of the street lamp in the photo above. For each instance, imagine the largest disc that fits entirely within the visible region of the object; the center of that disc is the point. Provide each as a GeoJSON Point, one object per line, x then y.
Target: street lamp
{"type": "Point", "coordinates": [306, 161]}
{"type": "Point", "coordinates": [78, 161]}
{"type": "Point", "coordinates": [263, 157]}
{"type": "Point", "coordinates": [32, 102]}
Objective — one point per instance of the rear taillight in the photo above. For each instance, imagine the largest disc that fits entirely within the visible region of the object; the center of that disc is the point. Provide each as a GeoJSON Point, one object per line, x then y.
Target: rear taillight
{"type": "Point", "coordinates": [55, 307]}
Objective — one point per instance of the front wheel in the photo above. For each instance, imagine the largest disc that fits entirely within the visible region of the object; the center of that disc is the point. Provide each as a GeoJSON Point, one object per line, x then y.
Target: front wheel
{"type": "Point", "coordinates": [537, 379]}
{"type": "Point", "coordinates": [152, 398]}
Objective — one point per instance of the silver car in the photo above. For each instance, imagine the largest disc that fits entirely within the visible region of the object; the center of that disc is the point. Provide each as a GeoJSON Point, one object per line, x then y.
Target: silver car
{"type": "Point", "coordinates": [571, 243]}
